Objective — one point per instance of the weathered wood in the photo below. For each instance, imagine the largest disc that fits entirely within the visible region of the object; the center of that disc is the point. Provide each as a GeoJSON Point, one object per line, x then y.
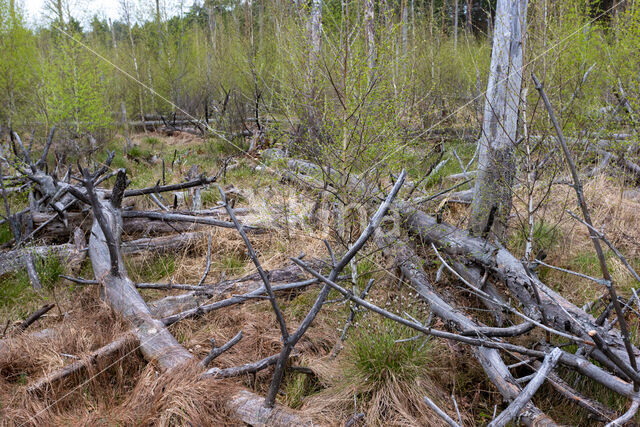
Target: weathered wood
{"type": "Point", "coordinates": [156, 343]}
{"type": "Point", "coordinates": [172, 305]}
{"type": "Point", "coordinates": [98, 356]}
{"type": "Point", "coordinates": [561, 314]}
{"type": "Point", "coordinates": [32, 273]}
{"type": "Point", "coordinates": [597, 409]}
{"type": "Point", "coordinates": [166, 216]}
{"type": "Point", "coordinates": [440, 412]}
{"type": "Point", "coordinates": [496, 168]}
{"type": "Point", "coordinates": [523, 398]}
{"type": "Point", "coordinates": [250, 408]}
{"type": "Point", "coordinates": [490, 360]}
{"type": "Point", "coordinates": [15, 260]}
{"type": "Point", "coordinates": [217, 351]}
{"type": "Point", "coordinates": [35, 316]}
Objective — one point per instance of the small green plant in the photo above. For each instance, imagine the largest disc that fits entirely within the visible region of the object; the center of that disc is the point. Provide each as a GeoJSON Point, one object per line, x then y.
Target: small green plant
{"type": "Point", "coordinates": [15, 289]}
{"type": "Point", "coordinates": [545, 237]}
{"type": "Point", "coordinates": [298, 386]}
{"type": "Point", "coordinates": [152, 141]}
{"type": "Point", "coordinates": [49, 270]}
{"type": "Point", "coordinates": [5, 233]}
{"type": "Point", "coordinates": [231, 263]}
{"type": "Point", "coordinates": [375, 355]}
{"type": "Point", "coordinates": [136, 152]}
{"type": "Point", "coordinates": [150, 270]}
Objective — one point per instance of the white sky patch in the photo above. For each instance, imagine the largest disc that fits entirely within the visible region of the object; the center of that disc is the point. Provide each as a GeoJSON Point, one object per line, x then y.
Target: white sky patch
{"type": "Point", "coordinates": [38, 12]}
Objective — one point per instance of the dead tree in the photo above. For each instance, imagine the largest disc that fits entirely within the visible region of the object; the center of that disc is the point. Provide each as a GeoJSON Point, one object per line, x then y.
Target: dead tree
{"type": "Point", "coordinates": [496, 164]}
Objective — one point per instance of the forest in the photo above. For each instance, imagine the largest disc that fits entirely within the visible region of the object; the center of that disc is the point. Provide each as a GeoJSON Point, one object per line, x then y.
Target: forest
{"type": "Point", "coordinates": [320, 212]}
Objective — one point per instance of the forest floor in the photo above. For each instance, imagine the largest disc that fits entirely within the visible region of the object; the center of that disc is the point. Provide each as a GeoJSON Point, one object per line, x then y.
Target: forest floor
{"type": "Point", "coordinates": [378, 373]}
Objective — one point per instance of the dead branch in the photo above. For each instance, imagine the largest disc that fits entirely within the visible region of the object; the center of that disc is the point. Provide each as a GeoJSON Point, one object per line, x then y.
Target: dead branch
{"type": "Point", "coordinates": [95, 357]}
{"type": "Point", "coordinates": [562, 315]}
{"type": "Point", "coordinates": [263, 275]}
{"type": "Point", "coordinates": [627, 416]}
{"type": "Point", "coordinates": [289, 345]}
{"type": "Point", "coordinates": [440, 412]}
{"type": "Point", "coordinates": [217, 351]}
{"type": "Point", "coordinates": [597, 409]}
{"type": "Point", "coordinates": [577, 185]}
{"type": "Point", "coordinates": [165, 216]}
{"type": "Point", "coordinates": [35, 316]}
{"type": "Point", "coordinates": [518, 403]}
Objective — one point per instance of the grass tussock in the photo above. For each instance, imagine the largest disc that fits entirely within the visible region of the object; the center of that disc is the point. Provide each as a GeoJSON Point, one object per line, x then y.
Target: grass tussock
{"type": "Point", "coordinates": [382, 377]}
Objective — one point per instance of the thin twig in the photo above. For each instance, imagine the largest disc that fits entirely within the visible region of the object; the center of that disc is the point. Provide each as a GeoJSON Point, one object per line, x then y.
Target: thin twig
{"type": "Point", "coordinates": [441, 413]}
{"type": "Point", "coordinates": [217, 351]}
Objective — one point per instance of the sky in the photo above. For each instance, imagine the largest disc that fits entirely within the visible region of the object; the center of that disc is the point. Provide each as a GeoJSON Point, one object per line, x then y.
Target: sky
{"type": "Point", "coordinates": [35, 11]}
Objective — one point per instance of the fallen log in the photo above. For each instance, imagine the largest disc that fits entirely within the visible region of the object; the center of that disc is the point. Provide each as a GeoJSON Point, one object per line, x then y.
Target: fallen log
{"type": "Point", "coordinates": [490, 359]}
{"type": "Point", "coordinates": [523, 398]}
{"type": "Point", "coordinates": [559, 312]}
{"type": "Point", "coordinates": [15, 260]}
{"type": "Point", "coordinates": [156, 342]}
{"type": "Point", "coordinates": [99, 356]}
{"type": "Point", "coordinates": [166, 216]}
{"type": "Point", "coordinates": [172, 305]}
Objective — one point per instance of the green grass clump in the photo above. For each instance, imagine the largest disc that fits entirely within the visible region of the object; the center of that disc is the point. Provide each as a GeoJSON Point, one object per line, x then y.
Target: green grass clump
{"type": "Point", "coordinates": [5, 233]}
{"type": "Point", "coordinates": [151, 269]}
{"type": "Point", "coordinates": [545, 237]}
{"type": "Point", "coordinates": [137, 152]}
{"type": "Point", "coordinates": [297, 386]}
{"type": "Point", "coordinates": [49, 270]}
{"type": "Point", "coordinates": [374, 357]}
{"type": "Point", "coordinates": [232, 263]}
{"type": "Point", "coordinates": [15, 290]}
{"type": "Point", "coordinates": [221, 148]}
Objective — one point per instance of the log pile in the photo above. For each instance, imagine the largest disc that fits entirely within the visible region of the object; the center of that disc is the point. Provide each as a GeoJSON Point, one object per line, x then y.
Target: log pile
{"type": "Point", "coordinates": [543, 322]}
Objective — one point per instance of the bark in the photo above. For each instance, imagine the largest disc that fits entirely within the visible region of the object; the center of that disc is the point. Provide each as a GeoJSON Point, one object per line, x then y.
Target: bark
{"type": "Point", "coordinates": [489, 359]}
{"type": "Point", "coordinates": [15, 260]}
{"type": "Point", "coordinates": [523, 398]}
{"type": "Point", "coordinates": [156, 343]}
{"type": "Point", "coordinates": [250, 408]}
{"type": "Point", "coordinates": [496, 168]}
{"type": "Point", "coordinates": [171, 305]}
{"type": "Point", "coordinates": [558, 312]}
{"type": "Point", "coordinates": [369, 27]}
{"type": "Point", "coordinates": [315, 31]}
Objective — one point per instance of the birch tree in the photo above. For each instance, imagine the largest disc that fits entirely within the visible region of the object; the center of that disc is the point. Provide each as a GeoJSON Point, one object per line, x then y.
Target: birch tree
{"type": "Point", "coordinates": [496, 168]}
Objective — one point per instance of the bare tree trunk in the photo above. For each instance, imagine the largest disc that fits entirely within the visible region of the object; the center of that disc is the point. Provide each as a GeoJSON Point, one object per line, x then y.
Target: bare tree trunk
{"type": "Point", "coordinates": [316, 31]}
{"type": "Point", "coordinates": [492, 201]}
{"type": "Point", "coordinates": [456, 11]}
{"type": "Point", "coordinates": [127, 16]}
{"type": "Point", "coordinates": [369, 28]}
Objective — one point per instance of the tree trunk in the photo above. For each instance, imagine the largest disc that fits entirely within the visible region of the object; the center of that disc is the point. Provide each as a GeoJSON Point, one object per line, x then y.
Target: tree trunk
{"type": "Point", "coordinates": [496, 168]}
{"type": "Point", "coordinates": [369, 28]}
{"type": "Point", "coordinates": [316, 32]}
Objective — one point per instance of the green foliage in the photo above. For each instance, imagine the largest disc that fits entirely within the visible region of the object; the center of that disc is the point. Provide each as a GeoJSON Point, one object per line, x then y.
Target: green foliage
{"type": "Point", "coordinates": [5, 233]}
{"type": "Point", "coordinates": [297, 386]}
{"type": "Point", "coordinates": [49, 270]}
{"type": "Point", "coordinates": [15, 290]}
{"type": "Point", "coordinates": [232, 263]}
{"type": "Point", "coordinates": [545, 237]}
{"type": "Point", "coordinates": [137, 152]}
